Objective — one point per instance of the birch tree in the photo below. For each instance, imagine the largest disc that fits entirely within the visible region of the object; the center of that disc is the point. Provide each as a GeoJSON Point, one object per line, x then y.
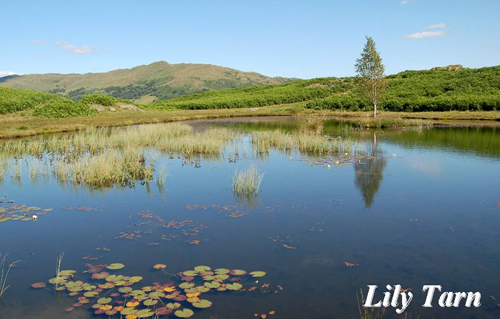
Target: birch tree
{"type": "Point", "coordinates": [370, 69]}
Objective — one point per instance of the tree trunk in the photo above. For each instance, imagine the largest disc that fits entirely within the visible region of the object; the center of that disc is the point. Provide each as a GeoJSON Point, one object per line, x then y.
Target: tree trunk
{"type": "Point", "coordinates": [374, 109]}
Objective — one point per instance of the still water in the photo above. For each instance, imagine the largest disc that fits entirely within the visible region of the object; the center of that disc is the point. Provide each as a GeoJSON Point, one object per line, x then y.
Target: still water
{"type": "Point", "coordinates": [421, 208]}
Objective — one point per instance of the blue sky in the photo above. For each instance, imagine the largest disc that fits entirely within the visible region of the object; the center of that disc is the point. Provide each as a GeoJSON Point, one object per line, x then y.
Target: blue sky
{"type": "Point", "coordinates": [289, 38]}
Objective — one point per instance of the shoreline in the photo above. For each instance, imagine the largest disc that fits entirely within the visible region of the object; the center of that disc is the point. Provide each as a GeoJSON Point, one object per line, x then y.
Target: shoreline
{"type": "Point", "coordinates": [17, 126]}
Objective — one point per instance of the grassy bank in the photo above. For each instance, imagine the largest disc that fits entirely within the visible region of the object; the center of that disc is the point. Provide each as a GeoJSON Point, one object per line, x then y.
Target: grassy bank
{"type": "Point", "coordinates": [14, 125]}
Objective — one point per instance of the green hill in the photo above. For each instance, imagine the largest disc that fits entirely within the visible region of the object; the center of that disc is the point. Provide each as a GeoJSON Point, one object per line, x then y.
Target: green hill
{"type": "Point", "coordinates": [145, 83]}
{"type": "Point", "coordinates": [42, 104]}
{"type": "Point", "coordinates": [430, 90]}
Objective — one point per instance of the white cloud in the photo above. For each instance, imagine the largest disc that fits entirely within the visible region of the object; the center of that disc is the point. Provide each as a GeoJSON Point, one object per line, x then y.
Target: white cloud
{"type": "Point", "coordinates": [6, 73]}
{"type": "Point", "coordinates": [436, 26]}
{"type": "Point", "coordinates": [405, 1]}
{"type": "Point", "coordinates": [426, 34]}
{"type": "Point", "coordinates": [71, 48]}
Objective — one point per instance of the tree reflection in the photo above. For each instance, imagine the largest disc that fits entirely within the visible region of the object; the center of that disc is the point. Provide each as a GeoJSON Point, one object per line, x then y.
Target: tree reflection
{"type": "Point", "coordinates": [369, 173]}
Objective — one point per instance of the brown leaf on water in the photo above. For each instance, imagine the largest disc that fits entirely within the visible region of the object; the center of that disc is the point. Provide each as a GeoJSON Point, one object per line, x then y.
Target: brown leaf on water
{"type": "Point", "coordinates": [272, 312]}
{"type": "Point", "coordinates": [289, 247]}
{"type": "Point", "coordinates": [263, 316]}
{"type": "Point", "coordinates": [195, 242]}
{"type": "Point", "coordinates": [349, 265]}
{"type": "Point", "coordinates": [279, 287]}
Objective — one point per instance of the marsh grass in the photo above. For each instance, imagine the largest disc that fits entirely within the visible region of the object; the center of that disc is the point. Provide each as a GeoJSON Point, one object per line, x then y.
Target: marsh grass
{"type": "Point", "coordinates": [368, 313]}
{"type": "Point", "coordinates": [161, 177]}
{"type": "Point", "coordinates": [4, 273]}
{"type": "Point", "coordinates": [58, 270]}
{"type": "Point", "coordinates": [247, 182]}
{"type": "Point", "coordinates": [306, 143]}
{"type": "Point", "coordinates": [100, 158]}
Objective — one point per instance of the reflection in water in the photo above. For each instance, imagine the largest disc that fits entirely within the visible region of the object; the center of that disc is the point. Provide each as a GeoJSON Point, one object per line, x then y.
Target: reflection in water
{"type": "Point", "coordinates": [369, 173]}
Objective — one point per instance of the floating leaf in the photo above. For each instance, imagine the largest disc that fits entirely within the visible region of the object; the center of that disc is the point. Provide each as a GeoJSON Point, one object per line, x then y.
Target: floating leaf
{"type": "Point", "coordinates": [202, 303]}
{"type": "Point", "coordinates": [190, 273]}
{"type": "Point", "coordinates": [222, 271]}
{"type": "Point", "coordinates": [145, 313]}
{"type": "Point", "coordinates": [135, 279]}
{"type": "Point", "coordinates": [212, 285]}
{"type": "Point", "coordinates": [185, 313]}
{"type": "Point", "coordinates": [100, 275]}
{"type": "Point", "coordinates": [91, 294]}
{"type": "Point", "coordinates": [115, 266]}
{"type": "Point", "coordinates": [160, 266]}
{"type": "Point", "coordinates": [163, 311]}
{"type": "Point", "coordinates": [235, 286]}
{"type": "Point", "coordinates": [125, 290]}
{"type": "Point", "coordinates": [150, 302]}
{"type": "Point", "coordinates": [238, 272]}
{"type": "Point", "coordinates": [202, 268]}
{"type": "Point", "coordinates": [186, 285]}
{"type": "Point", "coordinates": [38, 285]}
{"type": "Point", "coordinates": [174, 305]}
{"type": "Point", "coordinates": [128, 311]}
{"type": "Point", "coordinates": [104, 301]}
{"type": "Point", "coordinates": [258, 274]}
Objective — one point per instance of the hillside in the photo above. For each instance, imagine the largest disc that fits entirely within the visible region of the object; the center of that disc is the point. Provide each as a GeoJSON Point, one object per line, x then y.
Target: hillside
{"type": "Point", "coordinates": [430, 90]}
{"type": "Point", "coordinates": [48, 105]}
{"type": "Point", "coordinates": [145, 83]}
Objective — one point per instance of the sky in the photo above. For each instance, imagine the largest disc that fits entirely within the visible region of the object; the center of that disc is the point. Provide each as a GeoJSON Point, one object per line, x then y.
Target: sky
{"type": "Point", "coordinates": [302, 39]}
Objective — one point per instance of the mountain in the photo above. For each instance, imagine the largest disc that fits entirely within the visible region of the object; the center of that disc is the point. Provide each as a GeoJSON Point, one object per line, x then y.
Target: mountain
{"type": "Point", "coordinates": [145, 83]}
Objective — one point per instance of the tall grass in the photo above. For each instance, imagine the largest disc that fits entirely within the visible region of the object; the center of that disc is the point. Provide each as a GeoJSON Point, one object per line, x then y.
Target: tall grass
{"type": "Point", "coordinates": [247, 182]}
{"type": "Point", "coordinates": [368, 313]}
{"type": "Point", "coordinates": [4, 273]}
{"type": "Point", "coordinates": [304, 142]}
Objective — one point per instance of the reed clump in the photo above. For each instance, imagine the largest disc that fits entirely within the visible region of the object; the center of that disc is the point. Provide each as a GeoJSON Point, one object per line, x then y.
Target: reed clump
{"type": "Point", "coordinates": [247, 182]}
{"type": "Point", "coordinates": [307, 143]}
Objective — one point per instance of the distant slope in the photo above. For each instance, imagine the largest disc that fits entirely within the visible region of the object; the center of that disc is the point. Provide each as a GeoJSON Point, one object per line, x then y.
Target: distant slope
{"type": "Point", "coordinates": [42, 104]}
{"type": "Point", "coordinates": [159, 80]}
{"type": "Point", "coordinates": [430, 90]}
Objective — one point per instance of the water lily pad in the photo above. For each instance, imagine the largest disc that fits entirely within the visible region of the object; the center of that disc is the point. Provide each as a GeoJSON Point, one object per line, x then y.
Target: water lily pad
{"type": "Point", "coordinates": [186, 285]}
{"type": "Point", "coordinates": [150, 302]}
{"type": "Point", "coordinates": [125, 290]}
{"type": "Point", "coordinates": [100, 275]}
{"type": "Point", "coordinates": [91, 294]}
{"type": "Point", "coordinates": [173, 305]}
{"type": "Point", "coordinates": [190, 273]}
{"type": "Point", "coordinates": [163, 311]}
{"type": "Point", "coordinates": [145, 313]}
{"type": "Point", "coordinates": [128, 311]}
{"type": "Point", "coordinates": [115, 266]}
{"type": "Point", "coordinates": [202, 303]}
{"type": "Point", "coordinates": [202, 268]}
{"type": "Point", "coordinates": [104, 301]}
{"type": "Point", "coordinates": [185, 313]}
{"type": "Point", "coordinates": [222, 271]}
{"type": "Point", "coordinates": [238, 272]}
{"type": "Point", "coordinates": [160, 266]}
{"type": "Point", "coordinates": [258, 274]}
{"type": "Point", "coordinates": [235, 286]}
{"type": "Point", "coordinates": [212, 285]}
{"type": "Point", "coordinates": [38, 285]}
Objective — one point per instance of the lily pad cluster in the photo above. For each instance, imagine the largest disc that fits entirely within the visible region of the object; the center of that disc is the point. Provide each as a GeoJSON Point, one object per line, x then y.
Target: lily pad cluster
{"type": "Point", "coordinates": [117, 295]}
{"type": "Point", "coordinates": [25, 213]}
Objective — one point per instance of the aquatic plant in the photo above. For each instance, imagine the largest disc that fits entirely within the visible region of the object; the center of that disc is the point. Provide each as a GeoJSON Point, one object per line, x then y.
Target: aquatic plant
{"type": "Point", "coordinates": [247, 182]}
{"type": "Point", "coordinates": [161, 177]}
{"type": "Point", "coordinates": [368, 313]}
{"type": "Point", "coordinates": [156, 299]}
{"type": "Point", "coordinates": [58, 277]}
{"type": "Point", "coordinates": [4, 273]}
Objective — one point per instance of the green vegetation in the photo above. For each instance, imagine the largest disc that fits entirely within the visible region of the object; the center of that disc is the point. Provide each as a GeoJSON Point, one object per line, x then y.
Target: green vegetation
{"type": "Point", "coordinates": [4, 273]}
{"type": "Point", "coordinates": [258, 96]}
{"type": "Point", "coordinates": [409, 91]}
{"type": "Point", "coordinates": [370, 69]}
{"type": "Point", "coordinates": [160, 80]}
{"type": "Point", "coordinates": [247, 182]}
{"type": "Point", "coordinates": [48, 105]}
{"type": "Point", "coordinates": [431, 90]}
